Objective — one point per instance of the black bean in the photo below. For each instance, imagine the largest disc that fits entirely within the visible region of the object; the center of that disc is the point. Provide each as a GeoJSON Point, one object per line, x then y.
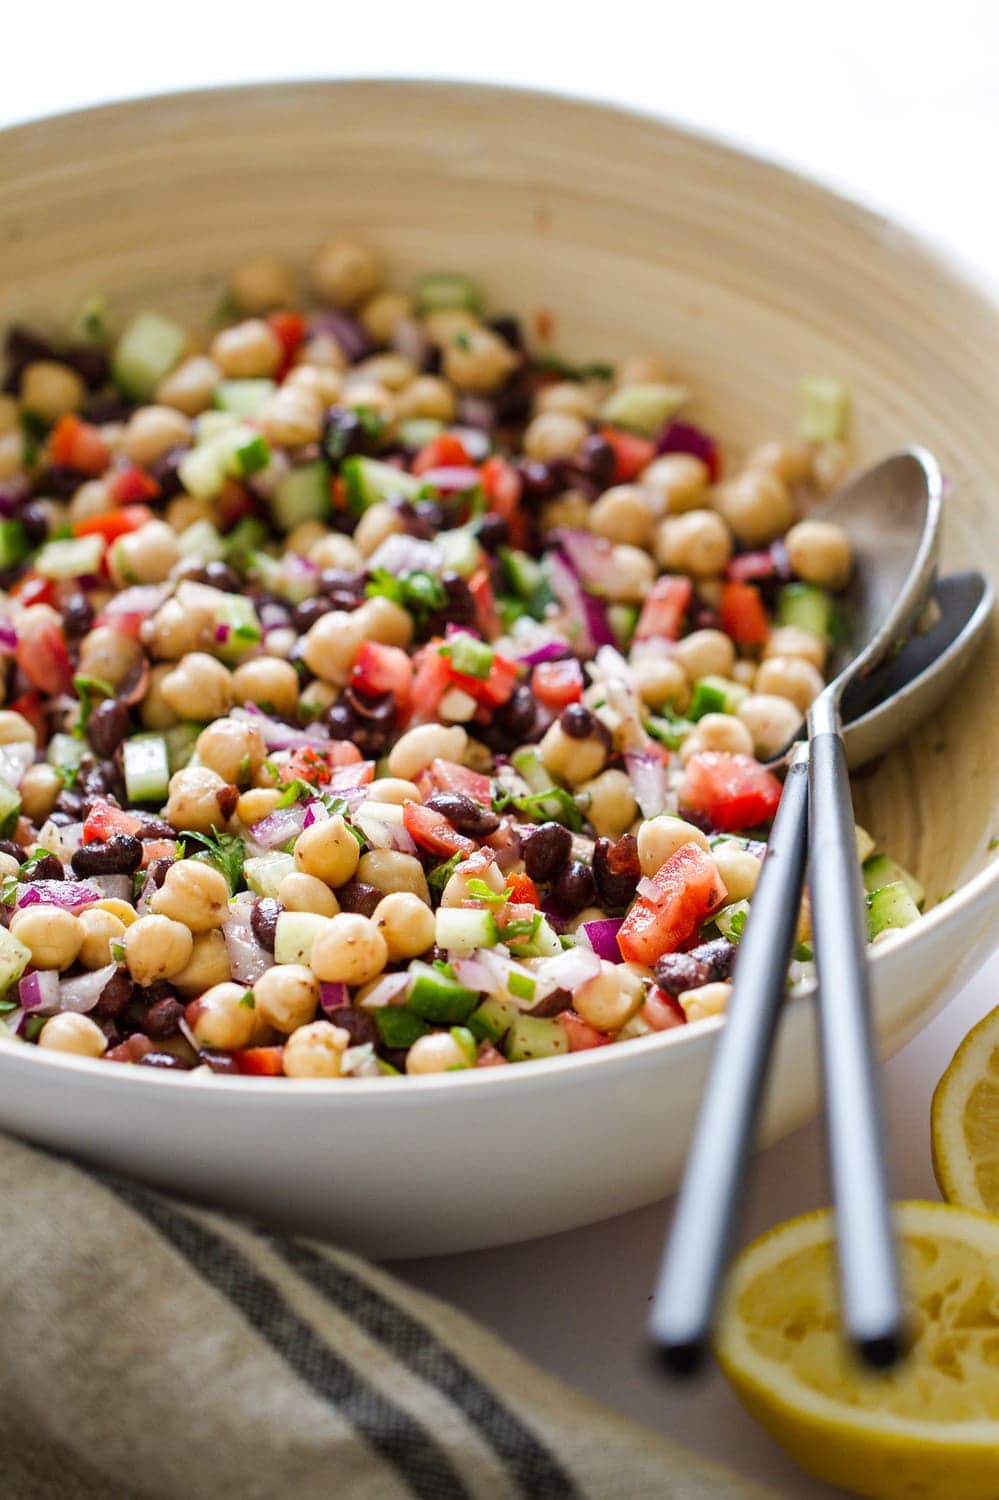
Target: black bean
{"type": "Point", "coordinates": [36, 522]}
{"type": "Point", "coordinates": [89, 362]}
{"type": "Point", "coordinates": [108, 725]}
{"type": "Point", "coordinates": [546, 851]}
{"type": "Point", "coordinates": [460, 607]}
{"type": "Point", "coordinates": [368, 722]}
{"type": "Point", "coordinates": [518, 715]}
{"type": "Point", "coordinates": [359, 1023]}
{"type": "Point", "coordinates": [164, 1060]}
{"type": "Point", "coordinates": [56, 482]}
{"type": "Point", "coordinates": [166, 471]}
{"type": "Point", "coordinates": [344, 434]}
{"type": "Point", "coordinates": [121, 855]}
{"type": "Point", "coordinates": [493, 532]}
{"type": "Point", "coordinates": [513, 401]}
{"type": "Point", "coordinates": [428, 513]}
{"type": "Point", "coordinates": [553, 1004]}
{"type": "Point", "coordinates": [153, 828]}
{"type": "Point", "coordinates": [540, 480]}
{"type": "Point", "coordinates": [343, 589]}
{"type": "Point", "coordinates": [708, 962]}
{"type": "Point", "coordinates": [107, 406]}
{"type": "Point", "coordinates": [464, 814]}
{"type": "Point", "coordinates": [358, 896]}
{"type": "Point", "coordinates": [305, 615]}
{"type": "Point", "coordinates": [219, 575]}
{"type": "Point", "coordinates": [77, 615]}
{"type": "Point", "coordinates": [115, 995]}
{"type": "Point", "coordinates": [263, 920]}
{"type": "Point", "coordinates": [219, 1062]}
{"type": "Point", "coordinates": [578, 722]}
{"type": "Point", "coordinates": [46, 868]}
{"type": "Point", "coordinates": [616, 869]}
{"type": "Point", "coordinates": [508, 328]}
{"type": "Point", "coordinates": [156, 871]}
{"type": "Point", "coordinates": [7, 846]}
{"type": "Point", "coordinates": [162, 1018]}
{"type": "Point", "coordinates": [23, 346]}
{"type": "Point", "coordinates": [574, 888]}
{"type": "Point", "coordinates": [596, 460]}
{"type": "Point", "coordinates": [132, 1050]}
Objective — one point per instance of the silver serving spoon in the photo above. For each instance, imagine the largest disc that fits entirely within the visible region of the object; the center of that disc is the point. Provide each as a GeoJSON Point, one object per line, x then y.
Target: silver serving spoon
{"type": "Point", "coordinates": [892, 513]}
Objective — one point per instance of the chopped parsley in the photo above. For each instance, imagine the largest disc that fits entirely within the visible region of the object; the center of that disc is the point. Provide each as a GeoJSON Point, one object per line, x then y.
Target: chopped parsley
{"type": "Point", "coordinates": [439, 876]}
{"type": "Point", "coordinates": [554, 805]}
{"type": "Point", "coordinates": [554, 364]}
{"type": "Point", "coordinates": [419, 593]}
{"type": "Point", "coordinates": [483, 892]}
{"type": "Point", "coordinates": [247, 1000]}
{"type": "Point", "coordinates": [223, 850]}
{"type": "Point", "coordinates": [87, 689]}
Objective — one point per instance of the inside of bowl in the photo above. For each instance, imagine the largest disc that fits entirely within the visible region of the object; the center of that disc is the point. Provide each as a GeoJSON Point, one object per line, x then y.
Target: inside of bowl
{"type": "Point", "coordinates": [636, 237]}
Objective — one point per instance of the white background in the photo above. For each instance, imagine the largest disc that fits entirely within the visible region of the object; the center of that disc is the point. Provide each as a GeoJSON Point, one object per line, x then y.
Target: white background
{"type": "Point", "coordinates": [895, 103]}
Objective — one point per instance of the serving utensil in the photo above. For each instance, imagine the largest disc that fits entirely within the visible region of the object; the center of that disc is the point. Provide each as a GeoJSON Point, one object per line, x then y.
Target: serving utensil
{"type": "Point", "coordinates": [892, 513]}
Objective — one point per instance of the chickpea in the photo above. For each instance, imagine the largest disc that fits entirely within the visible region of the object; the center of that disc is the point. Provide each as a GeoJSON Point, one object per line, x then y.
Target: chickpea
{"type": "Point", "coordinates": [39, 789]}
{"type": "Point", "coordinates": [554, 435]}
{"type": "Point", "coordinates": [569, 399]}
{"type": "Point", "coordinates": [303, 536]}
{"type": "Point", "coordinates": [153, 710]}
{"type": "Point", "coordinates": [382, 314]}
{"type": "Point", "coordinates": [622, 514]}
{"type": "Point", "coordinates": [331, 646]}
{"type": "Point", "coordinates": [442, 326]}
{"type": "Point", "coordinates": [387, 623]}
{"type": "Point", "coordinates": [722, 733]}
{"type": "Point", "coordinates": [788, 677]}
{"type": "Point", "coordinates": [659, 839]}
{"type": "Point", "coordinates": [15, 728]}
{"type": "Point", "coordinates": [675, 482]}
{"type": "Point", "coordinates": [315, 1051]}
{"type": "Point", "coordinates": [390, 871]}
{"type": "Point", "coordinates": [572, 760]}
{"type": "Point", "coordinates": [267, 682]}
{"type": "Point", "coordinates": [706, 1000]}
{"type": "Point", "coordinates": [773, 722]}
{"type": "Point", "coordinates": [738, 869]}
{"type": "Point", "coordinates": [318, 380]}
{"type": "Point", "coordinates": [350, 950]}
{"type": "Point", "coordinates": [344, 274]}
{"type": "Point", "coordinates": [744, 673]}
{"type": "Point", "coordinates": [393, 371]}
{"type": "Point", "coordinates": [378, 522]}
{"type": "Point", "coordinates": [184, 510]}
{"type": "Point", "coordinates": [612, 807]}
{"type": "Point", "coordinates": [108, 654]}
{"type": "Point", "coordinates": [262, 284]}
{"type": "Point", "coordinates": [327, 850]}
{"type": "Point", "coordinates": [371, 396]}
{"type": "Point", "coordinates": [100, 929]}
{"type": "Point", "coordinates": [315, 699]}
{"type": "Point", "coordinates": [8, 865]}
{"type": "Point", "coordinates": [660, 681]}
{"type": "Point", "coordinates": [11, 454]}
{"type": "Point", "coordinates": [232, 748]}
{"type": "Point", "coordinates": [157, 947]}
{"type": "Point", "coordinates": [478, 360]}
{"type": "Point", "coordinates": [225, 1016]}
{"type": "Point", "coordinates": [199, 687]}
{"type": "Point", "coordinates": [414, 750]}
{"type": "Point", "coordinates": [208, 964]}
{"type": "Point", "coordinates": [406, 923]}
{"type": "Point", "coordinates": [335, 551]}
{"type": "Point", "coordinates": [820, 553]}
{"type": "Point", "coordinates": [190, 387]}
{"type": "Point", "coordinates": [247, 351]}
{"type": "Point", "coordinates": [257, 803]}
{"type": "Point", "coordinates": [198, 800]}
{"type": "Point", "coordinates": [298, 892]}
{"type": "Point", "coordinates": [632, 574]}
{"type": "Point", "coordinates": [437, 1052]}
{"type": "Point", "coordinates": [697, 542]}
{"type": "Point", "coordinates": [152, 431]}
{"type": "Point", "coordinates": [610, 998]}
{"type": "Point", "coordinates": [146, 555]}
{"type": "Point", "coordinates": [427, 397]}
{"type": "Point", "coordinates": [291, 416]}
{"type": "Point", "coordinates": [791, 462]}
{"type": "Point", "coordinates": [791, 640]}
{"type": "Point", "coordinates": [194, 893]}
{"type": "Point", "coordinates": [644, 369]}
{"type": "Point", "coordinates": [757, 505]}
{"type": "Point", "coordinates": [53, 935]}
{"type": "Point", "coordinates": [323, 351]}
{"type": "Point", "coordinates": [123, 910]}
{"type": "Point", "coordinates": [571, 509]}
{"type": "Point", "coordinates": [705, 653]}
{"type": "Point", "coordinates": [73, 1033]}
{"type": "Point", "coordinates": [286, 997]}
{"type": "Point", "coordinates": [394, 790]}
{"type": "Point", "coordinates": [51, 390]}
{"type": "Point", "coordinates": [456, 892]}
{"type": "Point", "coordinates": [92, 498]}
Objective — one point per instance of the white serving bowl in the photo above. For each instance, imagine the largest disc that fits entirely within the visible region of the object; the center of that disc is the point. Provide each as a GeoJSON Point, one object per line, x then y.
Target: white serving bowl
{"type": "Point", "coordinates": [639, 237]}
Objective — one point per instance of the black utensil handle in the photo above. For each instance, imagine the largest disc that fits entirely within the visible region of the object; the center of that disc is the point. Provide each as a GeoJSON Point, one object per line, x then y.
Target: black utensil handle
{"type": "Point", "coordinates": [870, 1286]}
{"type": "Point", "coordinates": [715, 1174]}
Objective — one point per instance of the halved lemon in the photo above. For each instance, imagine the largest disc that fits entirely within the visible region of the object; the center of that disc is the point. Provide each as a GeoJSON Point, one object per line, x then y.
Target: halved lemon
{"type": "Point", "coordinates": [964, 1122]}
{"type": "Point", "coordinates": [926, 1431]}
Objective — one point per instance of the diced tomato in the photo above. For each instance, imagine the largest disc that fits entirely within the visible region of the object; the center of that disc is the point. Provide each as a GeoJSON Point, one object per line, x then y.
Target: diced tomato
{"type": "Point", "coordinates": [32, 588]}
{"type": "Point", "coordinates": [687, 889]}
{"type": "Point", "coordinates": [42, 656]}
{"type": "Point", "coordinates": [111, 524]}
{"type": "Point", "coordinates": [445, 451]}
{"type": "Point", "coordinates": [29, 706]}
{"type": "Point", "coordinates": [488, 1056]}
{"type": "Point", "coordinates": [104, 821]}
{"type": "Point", "coordinates": [732, 791]}
{"type": "Point", "coordinates": [661, 1011]}
{"type": "Point", "coordinates": [556, 683]}
{"type": "Point", "coordinates": [666, 604]}
{"type": "Point", "coordinates": [131, 486]}
{"type": "Point", "coordinates": [78, 445]}
{"type": "Point", "coordinates": [743, 614]}
{"type": "Point", "coordinates": [345, 778]}
{"type": "Point", "coordinates": [503, 487]}
{"type": "Point", "coordinates": [632, 453]}
{"type": "Point", "coordinates": [157, 849]}
{"type": "Point", "coordinates": [128, 622]}
{"type": "Point", "coordinates": [316, 765]}
{"type": "Point", "coordinates": [384, 669]}
{"type": "Point", "coordinates": [265, 1061]}
{"type": "Point", "coordinates": [448, 776]}
{"type": "Point", "coordinates": [522, 890]}
{"type": "Point", "coordinates": [487, 620]}
{"type": "Point", "coordinates": [493, 690]}
{"type": "Point", "coordinates": [582, 1036]}
{"type": "Point", "coordinates": [431, 680]}
{"type": "Point", "coordinates": [432, 831]}
{"type": "Point", "coordinates": [290, 329]}
{"type": "Point", "coordinates": [749, 566]}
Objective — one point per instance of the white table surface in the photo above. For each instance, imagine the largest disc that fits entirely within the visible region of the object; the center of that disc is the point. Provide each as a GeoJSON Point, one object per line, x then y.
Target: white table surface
{"type": "Point", "coordinates": [895, 104]}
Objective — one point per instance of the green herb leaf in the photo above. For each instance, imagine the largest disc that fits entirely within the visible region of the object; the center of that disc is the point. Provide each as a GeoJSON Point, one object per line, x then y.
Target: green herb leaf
{"type": "Point", "coordinates": [32, 1027]}
{"type": "Point", "coordinates": [224, 850]}
{"type": "Point", "coordinates": [87, 689]}
{"type": "Point", "coordinates": [247, 1000]}
{"type": "Point", "coordinates": [483, 892]}
{"type": "Point", "coordinates": [555, 805]}
{"type": "Point", "coordinates": [8, 890]}
{"type": "Point", "coordinates": [554, 364]}
{"type": "Point", "coordinates": [439, 876]}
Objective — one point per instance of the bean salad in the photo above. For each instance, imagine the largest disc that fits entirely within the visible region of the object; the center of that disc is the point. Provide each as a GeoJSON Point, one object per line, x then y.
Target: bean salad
{"type": "Point", "coordinates": [382, 692]}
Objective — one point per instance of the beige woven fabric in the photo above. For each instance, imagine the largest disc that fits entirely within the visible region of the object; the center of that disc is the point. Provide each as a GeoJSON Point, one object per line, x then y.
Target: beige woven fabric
{"type": "Point", "coordinates": [154, 1350]}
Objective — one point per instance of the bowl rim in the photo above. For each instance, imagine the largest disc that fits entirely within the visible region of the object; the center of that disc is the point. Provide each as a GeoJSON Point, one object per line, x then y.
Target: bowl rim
{"type": "Point", "coordinates": [974, 892]}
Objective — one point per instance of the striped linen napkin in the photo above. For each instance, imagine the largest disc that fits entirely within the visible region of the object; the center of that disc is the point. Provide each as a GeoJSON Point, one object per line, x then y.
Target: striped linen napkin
{"type": "Point", "coordinates": [150, 1349]}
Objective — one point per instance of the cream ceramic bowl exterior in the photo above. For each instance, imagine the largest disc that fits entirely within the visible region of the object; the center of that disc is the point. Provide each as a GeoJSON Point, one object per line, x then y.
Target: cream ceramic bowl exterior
{"type": "Point", "coordinates": [640, 238]}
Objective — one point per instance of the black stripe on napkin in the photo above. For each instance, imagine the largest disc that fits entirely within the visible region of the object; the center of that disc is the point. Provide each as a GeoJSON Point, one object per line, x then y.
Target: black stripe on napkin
{"type": "Point", "coordinates": [401, 1441]}
{"type": "Point", "coordinates": [534, 1469]}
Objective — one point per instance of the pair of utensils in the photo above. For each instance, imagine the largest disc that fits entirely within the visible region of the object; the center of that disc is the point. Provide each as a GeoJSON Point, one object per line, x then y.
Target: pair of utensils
{"type": "Point", "coordinates": [888, 676]}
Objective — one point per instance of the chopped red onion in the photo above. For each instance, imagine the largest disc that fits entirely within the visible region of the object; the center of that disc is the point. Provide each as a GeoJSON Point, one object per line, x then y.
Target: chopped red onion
{"type": "Point", "coordinates": [188, 1034]}
{"type": "Point", "coordinates": [248, 958]}
{"type": "Point", "coordinates": [68, 894]}
{"type": "Point", "coordinates": [590, 557]}
{"type": "Point", "coordinates": [451, 480]}
{"type": "Point", "coordinates": [278, 736]}
{"type": "Point", "coordinates": [648, 889]}
{"type": "Point", "coordinates": [15, 760]}
{"type": "Point", "coordinates": [566, 971]}
{"type": "Point", "coordinates": [597, 621]}
{"type": "Point", "coordinates": [348, 332]}
{"type": "Point", "coordinates": [278, 827]}
{"type": "Point", "coordinates": [113, 887]}
{"type": "Point", "coordinates": [8, 636]}
{"type": "Point", "coordinates": [222, 633]}
{"type": "Point", "coordinates": [360, 1062]}
{"type": "Point", "coordinates": [684, 437]}
{"type": "Point", "coordinates": [500, 965]}
{"type": "Point", "coordinates": [142, 599]}
{"type": "Point", "coordinates": [390, 990]}
{"type": "Point", "coordinates": [39, 992]}
{"type": "Point", "coordinates": [569, 593]}
{"type": "Point", "coordinates": [647, 774]}
{"type": "Point", "coordinates": [550, 651]}
{"type": "Point", "coordinates": [82, 993]}
{"type": "Point", "coordinates": [14, 1020]}
{"type": "Point", "coordinates": [602, 937]}
{"type": "Point", "coordinates": [474, 441]}
{"type": "Point", "coordinates": [476, 976]}
{"type": "Point", "coordinates": [376, 833]}
{"type": "Point", "coordinates": [333, 996]}
{"type": "Point", "coordinates": [478, 413]}
{"type": "Point", "coordinates": [409, 339]}
{"type": "Point", "coordinates": [400, 554]}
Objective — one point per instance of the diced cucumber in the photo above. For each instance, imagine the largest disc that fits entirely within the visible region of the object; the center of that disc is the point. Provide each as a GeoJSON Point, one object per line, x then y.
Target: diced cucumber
{"type": "Point", "coordinates": [466, 1044]}
{"type": "Point", "coordinates": [462, 929]}
{"type": "Point", "coordinates": [731, 920]}
{"type": "Point", "coordinates": [644, 408]}
{"type": "Point", "coordinates": [265, 872]}
{"type": "Point", "coordinates": [203, 541]}
{"type": "Point", "coordinates": [180, 742]}
{"type": "Point", "coordinates": [243, 398]}
{"type": "Point", "coordinates": [239, 614]}
{"type": "Point", "coordinates": [865, 844]}
{"type": "Point", "coordinates": [414, 432]}
{"type": "Point", "coordinates": [148, 349]}
{"type": "Point", "coordinates": [14, 959]}
{"type": "Point", "coordinates": [470, 656]}
{"type": "Point", "coordinates": [397, 1026]}
{"type": "Point", "coordinates": [808, 607]}
{"type": "Point", "coordinates": [211, 424]}
{"type": "Point", "coordinates": [437, 998]}
{"type": "Point", "coordinates": [880, 871]}
{"type": "Point", "coordinates": [544, 942]}
{"type": "Point", "coordinates": [522, 573]}
{"type": "Point", "coordinates": [70, 557]}
{"type": "Point", "coordinates": [202, 470]}
{"type": "Point", "coordinates": [715, 695]}
{"type": "Point", "coordinates": [528, 763]}
{"type": "Point", "coordinates": [65, 752]}
{"type": "Point", "coordinates": [294, 934]}
{"type": "Point", "coordinates": [447, 291]}
{"type": "Point", "coordinates": [462, 552]}
{"type": "Point", "coordinates": [368, 480]}
{"type": "Point", "coordinates": [825, 408]}
{"type": "Point", "coordinates": [10, 808]}
{"type": "Point", "coordinates": [236, 450]}
{"type": "Point", "coordinates": [622, 619]}
{"type": "Point", "coordinates": [302, 495]}
{"type": "Point", "coordinates": [147, 769]}
{"type": "Point", "coordinates": [535, 1036]}
{"type": "Point", "coordinates": [244, 538]}
{"type": "Point", "coordinates": [14, 544]}
{"type": "Point", "coordinates": [493, 1019]}
{"type": "Point", "coordinates": [251, 454]}
{"type": "Point", "coordinates": [891, 906]}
